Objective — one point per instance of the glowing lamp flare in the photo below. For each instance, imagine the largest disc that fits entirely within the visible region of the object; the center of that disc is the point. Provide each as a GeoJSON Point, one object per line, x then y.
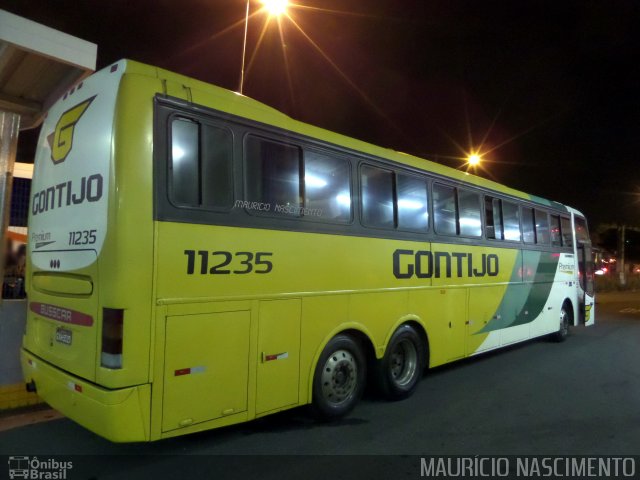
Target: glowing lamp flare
{"type": "Point", "coordinates": [474, 159]}
{"type": "Point", "coordinates": [275, 7]}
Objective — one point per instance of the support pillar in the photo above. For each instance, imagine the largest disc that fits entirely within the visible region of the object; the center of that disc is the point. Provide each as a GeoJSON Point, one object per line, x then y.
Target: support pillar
{"type": "Point", "coordinates": [9, 129]}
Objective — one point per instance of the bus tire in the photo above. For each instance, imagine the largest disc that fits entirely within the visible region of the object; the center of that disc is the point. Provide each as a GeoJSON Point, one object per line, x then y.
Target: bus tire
{"type": "Point", "coordinates": [563, 330]}
{"type": "Point", "coordinates": [397, 374]}
{"type": "Point", "coordinates": [339, 378]}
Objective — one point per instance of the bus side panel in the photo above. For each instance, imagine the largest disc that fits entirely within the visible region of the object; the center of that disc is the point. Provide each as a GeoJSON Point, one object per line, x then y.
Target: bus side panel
{"type": "Point", "coordinates": [378, 311]}
{"type": "Point", "coordinates": [316, 326]}
{"type": "Point", "coordinates": [544, 301]}
{"type": "Point", "coordinates": [443, 312]}
{"type": "Point", "coordinates": [126, 261]}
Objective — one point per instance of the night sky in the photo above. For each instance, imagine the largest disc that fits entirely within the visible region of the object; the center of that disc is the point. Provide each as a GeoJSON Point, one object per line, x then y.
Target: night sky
{"type": "Point", "coordinates": [551, 84]}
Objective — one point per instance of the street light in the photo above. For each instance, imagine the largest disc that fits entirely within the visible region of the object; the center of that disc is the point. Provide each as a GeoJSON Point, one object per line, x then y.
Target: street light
{"type": "Point", "coordinates": [474, 159]}
{"type": "Point", "coordinates": [274, 8]}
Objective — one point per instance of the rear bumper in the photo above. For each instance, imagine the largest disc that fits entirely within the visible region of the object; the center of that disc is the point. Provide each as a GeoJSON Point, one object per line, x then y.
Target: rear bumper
{"type": "Point", "coordinates": [121, 415]}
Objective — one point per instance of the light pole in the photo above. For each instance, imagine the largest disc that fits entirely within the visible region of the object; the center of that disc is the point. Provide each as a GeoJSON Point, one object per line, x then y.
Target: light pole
{"type": "Point", "coordinates": [274, 8]}
{"type": "Point", "coordinates": [244, 46]}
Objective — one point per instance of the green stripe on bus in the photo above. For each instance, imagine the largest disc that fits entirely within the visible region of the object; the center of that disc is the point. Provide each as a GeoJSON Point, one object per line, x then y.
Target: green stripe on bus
{"type": "Point", "coordinates": [523, 302]}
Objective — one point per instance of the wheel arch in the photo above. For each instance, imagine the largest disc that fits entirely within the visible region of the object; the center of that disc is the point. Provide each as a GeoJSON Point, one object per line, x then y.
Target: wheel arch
{"type": "Point", "coordinates": [572, 310]}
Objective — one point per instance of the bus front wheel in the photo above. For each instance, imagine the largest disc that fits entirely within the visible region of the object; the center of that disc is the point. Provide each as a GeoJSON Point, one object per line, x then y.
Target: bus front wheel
{"type": "Point", "coordinates": [399, 371]}
{"type": "Point", "coordinates": [563, 331]}
{"type": "Point", "coordinates": [339, 378]}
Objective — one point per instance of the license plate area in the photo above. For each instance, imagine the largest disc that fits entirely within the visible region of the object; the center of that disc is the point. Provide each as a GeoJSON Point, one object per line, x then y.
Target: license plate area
{"type": "Point", "coordinates": [64, 336]}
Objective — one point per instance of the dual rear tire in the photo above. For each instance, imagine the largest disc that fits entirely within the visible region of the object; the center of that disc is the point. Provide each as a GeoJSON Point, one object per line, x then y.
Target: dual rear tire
{"type": "Point", "coordinates": [341, 371]}
{"type": "Point", "coordinates": [398, 373]}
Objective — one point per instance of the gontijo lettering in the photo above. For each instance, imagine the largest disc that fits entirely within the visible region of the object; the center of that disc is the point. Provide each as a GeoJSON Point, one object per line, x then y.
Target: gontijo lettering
{"type": "Point", "coordinates": [428, 264]}
{"type": "Point", "coordinates": [67, 193]}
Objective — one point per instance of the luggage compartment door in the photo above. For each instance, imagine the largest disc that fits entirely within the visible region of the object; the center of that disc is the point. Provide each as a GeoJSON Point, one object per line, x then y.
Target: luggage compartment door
{"type": "Point", "coordinates": [279, 354]}
{"type": "Point", "coordinates": [206, 367]}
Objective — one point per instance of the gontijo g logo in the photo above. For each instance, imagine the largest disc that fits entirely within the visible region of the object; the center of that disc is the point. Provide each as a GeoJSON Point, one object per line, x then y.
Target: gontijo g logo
{"type": "Point", "coordinates": [61, 140]}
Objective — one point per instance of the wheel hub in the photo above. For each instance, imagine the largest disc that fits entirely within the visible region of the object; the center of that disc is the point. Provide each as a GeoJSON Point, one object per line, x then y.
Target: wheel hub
{"type": "Point", "coordinates": [403, 362]}
{"type": "Point", "coordinates": [339, 377]}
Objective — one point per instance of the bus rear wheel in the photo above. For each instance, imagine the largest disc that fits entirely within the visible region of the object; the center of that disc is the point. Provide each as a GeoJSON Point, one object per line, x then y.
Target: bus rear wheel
{"type": "Point", "coordinates": [339, 378]}
{"type": "Point", "coordinates": [398, 373]}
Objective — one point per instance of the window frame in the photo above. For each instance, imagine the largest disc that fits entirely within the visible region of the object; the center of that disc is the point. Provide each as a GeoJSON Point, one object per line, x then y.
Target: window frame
{"type": "Point", "coordinates": [503, 238]}
{"type": "Point", "coordinates": [199, 120]}
{"type": "Point", "coordinates": [535, 216]}
{"type": "Point", "coordinates": [427, 183]}
{"type": "Point", "coordinates": [567, 219]}
{"type": "Point", "coordinates": [517, 209]}
{"type": "Point", "coordinates": [394, 205]}
{"type": "Point", "coordinates": [303, 147]}
{"type": "Point", "coordinates": [455, 199]}
{"type": "Point", "coordinates": [456, 195]}
{"type": "Point", "coordinates": [246, 169]}
{"type": "Point", "coordinates": [337, 155]}
{"type": "Point", "coordinates": [480, 211]}
{"type": "Point", "coordinates": [533, 223]}
{"type": "Point", "coordinates": [551, 216]}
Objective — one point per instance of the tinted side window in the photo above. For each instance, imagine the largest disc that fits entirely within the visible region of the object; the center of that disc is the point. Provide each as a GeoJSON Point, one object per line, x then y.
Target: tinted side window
{"type": "Point", "coordinates": [493, 218]}
{"type": "Point", "coordinates": [377, 197]}
{"type": "Point", "coordinates": [185, 162]}
{"type": "Point", "coordinates": [273, 175]}
{"type": "Point", "coordinates": [469, 213]}
{"type": "Point", "coordinates": [217, 161]}
{"type": "Point", "coordinates": [201, 164]}
{"type": "Point", "coordinates": [528, 226]}
{"type": "Point", "coordinates": [511, 219]}
{"type": "Point", "coordinates": [567, 236]}
{"type": "Point", "coordinates": [444, 211]}
{"type": "Point", "coordinates": [542, 227]}
{"type": "Point", "coordinates": [412, 203]}
{"type": "Point", "coordinates": [556, 240]}
{"type": "Point", "coordinates": [327, 186]}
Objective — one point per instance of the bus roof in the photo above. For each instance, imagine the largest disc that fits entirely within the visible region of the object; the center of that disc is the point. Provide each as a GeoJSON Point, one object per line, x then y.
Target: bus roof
{"type": "Point", "coordinates": [241, 105]}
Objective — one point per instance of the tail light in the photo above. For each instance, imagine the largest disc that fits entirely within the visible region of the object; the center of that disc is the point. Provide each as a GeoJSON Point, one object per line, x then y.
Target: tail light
{"type": "Point", "coordinates": [112, 322]}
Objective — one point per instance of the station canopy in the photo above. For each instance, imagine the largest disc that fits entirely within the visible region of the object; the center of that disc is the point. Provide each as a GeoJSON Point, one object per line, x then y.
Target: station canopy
{"type": "Point", "coordinates": [37, 65]}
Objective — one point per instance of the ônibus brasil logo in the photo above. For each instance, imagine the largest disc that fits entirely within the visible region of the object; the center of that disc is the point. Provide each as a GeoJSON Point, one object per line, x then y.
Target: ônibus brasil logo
{"type": "Point", "coordinates": [33, 468]}
{"type": "Point", "coordinates": [61, 140]}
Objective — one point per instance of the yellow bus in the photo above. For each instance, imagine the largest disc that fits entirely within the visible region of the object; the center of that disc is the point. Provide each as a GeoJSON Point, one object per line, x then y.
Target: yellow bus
{"type": "Point", "coordinates": [198, 259]}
